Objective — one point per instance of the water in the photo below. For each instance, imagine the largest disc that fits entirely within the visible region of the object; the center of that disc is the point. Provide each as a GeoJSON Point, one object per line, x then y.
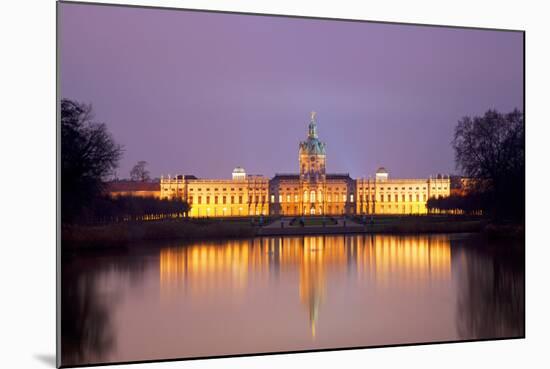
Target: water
{"type": "Point", "coordinates": [270, 294]}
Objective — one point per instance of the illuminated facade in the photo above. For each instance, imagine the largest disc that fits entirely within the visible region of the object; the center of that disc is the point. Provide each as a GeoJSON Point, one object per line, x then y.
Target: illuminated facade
{"type": "Point", "coordinates": [312, 191]}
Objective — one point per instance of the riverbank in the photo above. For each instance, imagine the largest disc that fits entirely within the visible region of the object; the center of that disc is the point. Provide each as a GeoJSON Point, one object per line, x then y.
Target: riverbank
{"type": "Point", "coordinates": [81, 236]}
{"type": "Point", "coordinates": [129, 232]}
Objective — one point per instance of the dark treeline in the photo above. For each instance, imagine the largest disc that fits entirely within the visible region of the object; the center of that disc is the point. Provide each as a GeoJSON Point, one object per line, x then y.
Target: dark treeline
{"type": "Point", "coordinates": [107, 209]}
{"type": "Point", "coordinates": [472, 204]}
{"type": "Point", "coordinates": [490, 152]}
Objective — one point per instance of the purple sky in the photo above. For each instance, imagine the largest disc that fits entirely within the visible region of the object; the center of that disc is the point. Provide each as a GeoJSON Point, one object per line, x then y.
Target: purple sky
{"type": "Point", "coordinates": [200, 93]}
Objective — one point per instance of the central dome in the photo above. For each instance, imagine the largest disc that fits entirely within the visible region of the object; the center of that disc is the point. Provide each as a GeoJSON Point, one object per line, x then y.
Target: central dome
{"type": "Point", "coordinates": [312, 145]}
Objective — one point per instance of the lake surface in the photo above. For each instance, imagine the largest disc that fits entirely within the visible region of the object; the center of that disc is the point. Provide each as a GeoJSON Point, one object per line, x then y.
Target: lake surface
{"type": "Point", "coordinates": [178, 300]}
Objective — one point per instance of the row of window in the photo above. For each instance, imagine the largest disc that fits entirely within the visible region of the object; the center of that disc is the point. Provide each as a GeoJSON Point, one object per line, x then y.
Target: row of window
{"type": "Point", "coordinates": [313, 197]}
{"type": "Point", "coordinates": [215, 189]}
{"type": "Point", "coordinates": [225, 198]}
{"type": "Point", "coordinates": [402, 188]}
{"type": "Point", "coordinates": [388, 198]}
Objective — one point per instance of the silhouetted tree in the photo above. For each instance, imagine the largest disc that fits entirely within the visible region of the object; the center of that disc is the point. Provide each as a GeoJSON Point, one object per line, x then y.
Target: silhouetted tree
{"type": "Point", "coordinates": [107, 209]}
{"type": "Point", "coordinates": [139, 172]}
{"type": "Point", "coordinates": [491, 150]}
{"type": "Point", "coordinates": [88, 155]}
{"type": "Point", "coordinates": [470, 204]}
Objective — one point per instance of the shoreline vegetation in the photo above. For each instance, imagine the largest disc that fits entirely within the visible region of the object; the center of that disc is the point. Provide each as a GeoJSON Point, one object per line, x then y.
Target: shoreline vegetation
{"type": "Point", "coordinates": [127, 233]}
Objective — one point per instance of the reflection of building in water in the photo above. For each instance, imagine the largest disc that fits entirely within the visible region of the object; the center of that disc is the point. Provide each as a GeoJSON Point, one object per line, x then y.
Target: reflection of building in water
{"type": "Point", "coordinates": [310, 191]}
{"type": "Point", "coordinates": [407, 259]}
{"type": "Point", "coordinates": [205, 268]}
{"type": "Point", "coordinates": [312, 277]}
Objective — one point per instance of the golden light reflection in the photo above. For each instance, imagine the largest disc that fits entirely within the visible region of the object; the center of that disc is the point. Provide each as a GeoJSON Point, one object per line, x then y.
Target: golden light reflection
{"type": "Point", "coordinates": [206, 269]}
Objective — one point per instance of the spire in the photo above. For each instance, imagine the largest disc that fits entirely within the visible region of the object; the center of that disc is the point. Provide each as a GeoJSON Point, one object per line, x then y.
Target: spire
{"type": "Point", "coordinates": [312, 126]}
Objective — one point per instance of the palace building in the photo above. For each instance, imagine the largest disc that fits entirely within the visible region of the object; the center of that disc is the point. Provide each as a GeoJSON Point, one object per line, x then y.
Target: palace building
{"type": "Point", "coordinates": [311, 191]}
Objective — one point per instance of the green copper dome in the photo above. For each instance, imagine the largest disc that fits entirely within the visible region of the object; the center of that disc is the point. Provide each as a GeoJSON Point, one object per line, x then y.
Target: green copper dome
{"type": "Point", "coordinates": [312, 146]}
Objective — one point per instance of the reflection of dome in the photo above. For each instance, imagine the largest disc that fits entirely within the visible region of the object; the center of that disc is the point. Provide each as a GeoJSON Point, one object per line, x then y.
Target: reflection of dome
{"type": "Point", "coordinates": [313, 279]}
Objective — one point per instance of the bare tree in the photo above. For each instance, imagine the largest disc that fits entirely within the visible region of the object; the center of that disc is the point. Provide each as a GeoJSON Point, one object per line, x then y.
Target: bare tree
{"type": "Point", "coordinates": [89, 155]}
{"type": "Point", "coordinates": [139, 172]}
{"type": "Point", "coordinates": [491, 150]}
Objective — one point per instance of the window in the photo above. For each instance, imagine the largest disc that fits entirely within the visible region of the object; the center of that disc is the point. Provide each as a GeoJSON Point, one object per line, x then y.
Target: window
{"type": "Point", "coordinates": [296, 199]}
{"type": "Point", "coordinates": [373, 198]}
{"type": "Point", "coordinates": [396, 198]}
{"type": "Point", "coordinates": [417, 197]}
{"type": "Point", "coordinates": [240, 199]}
{"type": "Point", "coordinates": [328, 198]}
{"type": "Point", "coordinates": [410, 197]}
{"type": "Point", "coordinates": [263, 199]}
{"type": "Point", "coordinates": [272, 199]}
{"type": "Point", "coordinates": [199, 200]}
{"type": "Point", "coordinates": [232, 199]}
{"type": "Point", "coordinates": [225, 189]}
{"type": "Point", "coordinates": [403, 198]}
{"type": "Point", "coordinates": [344, 198]}
{"type": "Point", "coordinates": [287, 198]}
{"type": "Point", "coordinates": [351, 197]}
{"type": "Point", "coordinates": [257, 199]}
{"type": "Point", "coordinates": [224, 199]}
{"type": "Point", "coordinates": [208, 199]}
{"type": "Point", "coordinates": [389, 198]}
{"type": "Point", "coordinates": [381, 198]}
{"type": "Point", "coordinates": [215, 199]}
{"type": "Point", "coordinates": [280, 198]}
{"type": "Point", "coordinates": [320, 196]}
{"type": "Point", "coordinates": [312, 196]}
{"type": "Point", "coordinates": [305, 196]}
{"type": "Point", "coordinates": [424, 197]}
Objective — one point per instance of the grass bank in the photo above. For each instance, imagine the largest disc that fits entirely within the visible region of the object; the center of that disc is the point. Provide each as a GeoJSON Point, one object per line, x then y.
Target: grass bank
{"type": "Point", "coordinates": [127, 232]}
{"type": "Point", "coordinates": [427, 227]}
{"type": "Point", "coordinates": [120, 234]}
